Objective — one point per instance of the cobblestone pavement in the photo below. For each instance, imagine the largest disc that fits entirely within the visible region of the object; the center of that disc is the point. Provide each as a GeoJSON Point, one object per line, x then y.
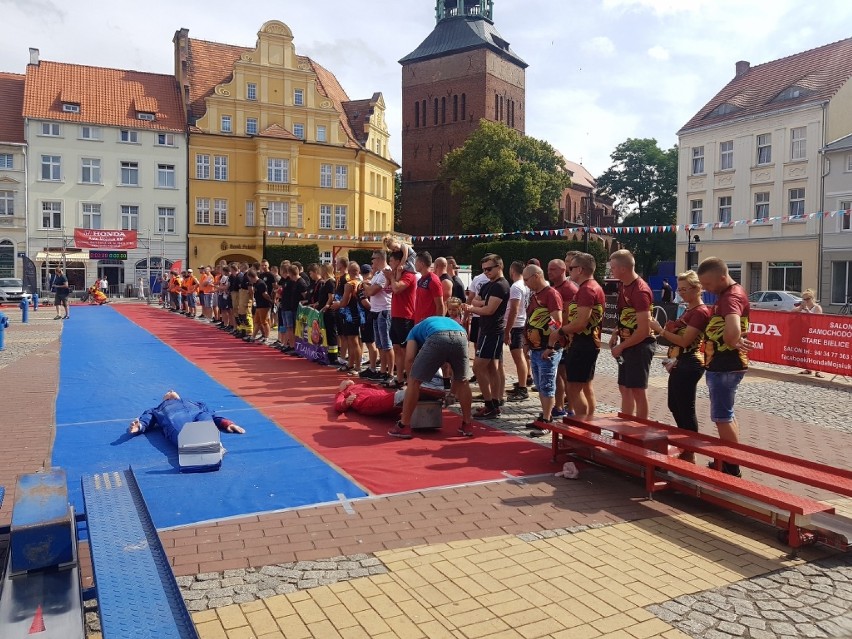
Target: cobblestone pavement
{"type": "Point", "coordinates": [24, 339]}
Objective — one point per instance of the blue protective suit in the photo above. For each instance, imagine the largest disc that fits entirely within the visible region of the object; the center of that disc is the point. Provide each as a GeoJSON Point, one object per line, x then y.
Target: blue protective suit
{"type": "Point", "coordinates": [173, 414]}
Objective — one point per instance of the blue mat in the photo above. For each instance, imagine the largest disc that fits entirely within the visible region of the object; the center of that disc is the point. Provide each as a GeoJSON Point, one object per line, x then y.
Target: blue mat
{"type": "Point", "coordinates": [111, 371]}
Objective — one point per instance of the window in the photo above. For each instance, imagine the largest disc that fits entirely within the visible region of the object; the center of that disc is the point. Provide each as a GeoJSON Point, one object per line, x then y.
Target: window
{"type": "Point", "coordinates": [325, 257]}
{"type": "Point", "coordinates": [202, 166]}
{"type": "Point", "coordinates": [299, 131]}
{"type": "Point", "coordinates": [166, 176]}
{"type": "Point", "coordinates": [277, 170]}
{"type": "Point", "coordinates": [341, 177]}
{"type": "Point", "coordinates": [735, 270]}
{"type": "Point", "coordinates": [435, 114]}
{"type": "Point", "coordinates": [764, 148]}
{"type": "Point", "coordinates": [165, 139]}
{"type": "Point", "coordinates": [797, 202]}
{"type": "Point", "coordinates": [725, 209]}
{"type": "Point", "coordinates": [249, 212]}
{"type": "Point", "coordinates": [791, 93]}
{"type": "Point", "coordinates": [696, 208]}
{"type": "Point", "coordinates": [278, 214]}
{"type": "Point", "coordinates": [251, 126]}
{"type": "Point", "coordinates": [697, 160]}
{"type": "Point", "coordinates": [130, 173]}
{"type": "Point", "coordinates": [340, 217]}
{"type": "Point", "coordinates": [225, 124]}
{"type": "Point", "coordinates": [165, 219]}
{"type": "Point", "coordinates": [129, 217]}
{"type": "Point", "coordinates": [849, 163]}
{"type": "Point", "coordinates": [726, 155]}
{"type": "Point", "coordinates": [325, 216]}
{"type": "Point", "coordinates": [51, 166]}
{"type": "Point", "coordinates": [846, 218]}
{"type": "Point", "coordinates": [443, 110]}
{"type": "Point", "coordinates": [51, 215]}
{"type": "Point", "coordinates": [220, 212]}
{"type": "Point", "coordinates": [70, 107]}
{"type": "Point", "coordinates": [90, 133]}
{"type": "Point", "coordinates": [91, 171]}
{"type": "Point", "coordinates": [417, 114]}
{"type": "Point", "coordinates": [145, 115]}
{"type": "Point", "coordinates": [129, 137]}
{"type": "Point", "coordinates": [220, 167]}
{"type": "Point", "coordinates": [841, 282]}
{"type": "Point", "coordinates": [299, 97]}
{"type": "Point", "coordinates": [423, 112]}
{"type": "Point", "coordinates": [321, 133]}
{"type": "Point", "coordinates": [325, 176]}
{"type": "Point", "coordinates": [455, 108]}
{"type": "Point", "coordinates": [251, 91]}
{"type": "Point", "coordinates": [50, 128]}
{"type": "Point", "coordinates": [7, 202]}
{"type": "Point", "coordinates": [7, 161]}
{"type": "Point", "coordinates": [464, 106]}
{"type": "Point", "coordinates": [202, 210]}
{"type": "Point", "coordinates": [761, 206]}
{"type": "Point", "coordinates": [785, 276]}
{"type": "Point", "coordinates": [300, 216]}
{"type": "Point", "coordinates": [798, 143]}
{"type": "Point", "coordinates": [91, 216]}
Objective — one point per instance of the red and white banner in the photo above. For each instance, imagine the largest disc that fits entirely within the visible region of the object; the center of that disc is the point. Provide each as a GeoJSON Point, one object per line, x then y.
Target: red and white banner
{"type": "Point", "coordinates": [104, 239]}
{"type": "Point", "coordinates": [813, 342]}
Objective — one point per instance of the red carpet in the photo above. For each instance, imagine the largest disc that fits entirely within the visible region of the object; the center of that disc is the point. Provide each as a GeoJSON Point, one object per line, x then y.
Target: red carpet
{"type": "Point", "coordinates": [298, 396]}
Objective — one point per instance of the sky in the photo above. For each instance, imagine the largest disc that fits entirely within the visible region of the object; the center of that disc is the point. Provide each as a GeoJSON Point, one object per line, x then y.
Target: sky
{"type": "Point", "coordinates": [601, 71]}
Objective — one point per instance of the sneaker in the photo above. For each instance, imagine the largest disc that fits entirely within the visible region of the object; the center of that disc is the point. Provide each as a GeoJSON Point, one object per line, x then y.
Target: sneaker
{"type": "Point", "coordinates": [529, 381]}
{"type": "Point", "coordinates": [342, 362]}
{"type": "Point", "coordinates": [367, 373]}
{"type": "Point", "coordinates": [343, 369]}
{"type": "Point", "coordinates": [518, 396]}
{"type": "Point", "coordinates": [393, 384]}
{"type": "Point", "coordinates": [535, 429]}
{"type": "Point", "coordinates": [558, 412]}
{"type": "Point", "coordinates": [728, 469]}
{"type": "Point", "coordinates": [400, 431]}
{"type": "Point", "coordinates": [466, 430]}
{"type": "Point", "coordinates": [487, 412]}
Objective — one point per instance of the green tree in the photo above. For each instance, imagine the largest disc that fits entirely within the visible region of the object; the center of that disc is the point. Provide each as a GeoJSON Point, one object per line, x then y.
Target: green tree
{"type": "Point", "coordinates": [506, 181]}
{"type": "Point", "coordinates": [643, 179]}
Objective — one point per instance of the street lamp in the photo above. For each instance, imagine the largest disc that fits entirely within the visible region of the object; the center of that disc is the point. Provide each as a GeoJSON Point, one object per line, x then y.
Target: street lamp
{"type": "Point", "coordinates": [265, 211]}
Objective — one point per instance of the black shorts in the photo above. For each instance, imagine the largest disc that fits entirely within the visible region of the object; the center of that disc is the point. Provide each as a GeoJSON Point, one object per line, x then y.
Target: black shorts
{"type": "Point", "coordinates": [580, 364]}
{"type": "Point", "coordinates": [634, 372]}
{"type": "Point", "coordinates": [516, 338]}
{"type": "Point", "coordinates": [226, 303]}
{"type": "Point", "coordinates": [349, 329]}
{"type": "Point", "coordinates": [490, 346]}
{"type": "Point", "coordinates": [399, 329]}
{"type": "Point", "coordinates": [473, 335]}
{"type": "Point", "coordinates": [367, 332]}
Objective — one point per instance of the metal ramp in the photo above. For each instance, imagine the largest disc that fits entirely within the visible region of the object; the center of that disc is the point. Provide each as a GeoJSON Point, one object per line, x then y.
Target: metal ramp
{"type": "Point", "coordinates": [138, 596]}
{"type": "Point", "coordinates": [831, 528]}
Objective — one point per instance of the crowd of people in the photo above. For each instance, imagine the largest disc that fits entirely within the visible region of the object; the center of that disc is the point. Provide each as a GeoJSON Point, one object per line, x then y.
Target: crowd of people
{"type": "Point", "coordinates": [379, 326]}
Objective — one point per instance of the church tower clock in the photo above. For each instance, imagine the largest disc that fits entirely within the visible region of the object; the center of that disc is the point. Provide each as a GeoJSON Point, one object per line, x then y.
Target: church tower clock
{"type": "Point", "coordinates": [462, 72]}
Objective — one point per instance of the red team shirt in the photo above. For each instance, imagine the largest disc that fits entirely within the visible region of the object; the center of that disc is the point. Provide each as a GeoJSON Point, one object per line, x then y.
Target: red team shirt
{"type": "Point", "coordinates": [428, 288]}
{"type": "Point", "coordinates": [403, 303]}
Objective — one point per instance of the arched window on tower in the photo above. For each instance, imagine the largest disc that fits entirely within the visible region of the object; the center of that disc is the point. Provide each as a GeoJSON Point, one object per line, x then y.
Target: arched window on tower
{"type": "Point", "coordinates": [501, 108]}
{"type": "Point", "coordinates": [417, 114]}
{"type": "Point", "coordinates": [496, 107]}
{"type": "Point", "coordinates": [441, 210]}
{"type": "Point", "coordinates": [443, 110]}
{"type": "Point", "coordinates": [464, 106]}
{"type": "Point", "coordinates": [436, 111]}
{"type": "Point", "coordinates": [423, 112]}
{"type": "Point", "coordinates": [455, 108]}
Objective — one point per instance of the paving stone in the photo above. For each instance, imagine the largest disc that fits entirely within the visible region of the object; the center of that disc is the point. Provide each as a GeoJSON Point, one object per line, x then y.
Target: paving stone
{"type": "Point", "coordinates": [184, 582]}
{"type": "Point", "coordinates": [783, 628]}
{"type": "Point", "coordinates": [265, 594]}
{"type": "Point", "coordinates": [359, 572]}
{"type": "Point", "coordinates": [676, 607]}
{"type": "Point", "coordinates": [197, 605]}
{"type": "Point", "coordinates": [832, 610]}
{"type": "Point", "coordinates": [372, 561]}
{"type": "Point", "coordinates": [774, 615]}
{"type": "Point", "coordinates": [207, 576]}
{"type": "Point", "coordinates": [809, 630]}
{"type": "Point", "coordinates": [241, 599]}
{"type": "Point", "coordinates": [305, 565]}
{"type": "Point", "coordinates": [796, 617]}
{"type": "Point", "coordinates": [715, 634]}
{"type": "Point", "coordinates": [231, 581]}
{"type": "Point", "coordinates": [377, 570]}
{"type": "Point", "coordinates": [246, 589]}
{"type": "Point", "coordinates": [706, 620]}
{"type": "Point", "coordinates": [726, 615]}
{"type": "Point", "coordinates": [770, 605]}
{"type": "Point", "coordinates": [735, 629]}
{"type": "Point", "coordinates": [218, 593]}
{"type": "Point", "coordinates": [272, 571]}
{"type": "Point", "coordinates": [285, 589]}
{"type": "Point", "coordinates": [239, 572]}
{"type": "Point", "coordinates": [762, 634]}
{"type": "Point", "coordinates": [358, 557]}
{"type": "Point", "coordinates": [220, 603]}
{"type": "Point", "coordinates": [706, 608]}
{"type": "Point", "coordinates": [351, 565]}
{"type": "Point", "coordinates": [308, 583]}
{"type": "Point", "coordinates": [753, 623]}
{"type": "Point", "coordinates": [193, 595]}
{"type": "Point", "coordinates": [663, 613]}
{"type": "Point", "coordinates": [693, 627]}
{"type": "Point", "coordinates": [204, 585]}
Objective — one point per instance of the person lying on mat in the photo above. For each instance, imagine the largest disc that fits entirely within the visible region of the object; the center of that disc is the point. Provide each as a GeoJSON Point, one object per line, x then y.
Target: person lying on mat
{"type": "Point", "coordinates": [368, 399]}
{"type": "Point", "coordinates": [174, 413]}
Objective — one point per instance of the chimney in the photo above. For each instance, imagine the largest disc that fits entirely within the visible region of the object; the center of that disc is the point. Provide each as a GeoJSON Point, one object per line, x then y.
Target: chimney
{"type": "Point", "coordinates": [33, 56]}
{"type": "Point", "coordinates": [742, 67]}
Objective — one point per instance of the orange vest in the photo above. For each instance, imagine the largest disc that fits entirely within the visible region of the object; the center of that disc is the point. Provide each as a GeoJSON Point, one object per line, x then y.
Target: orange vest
{"type": "Point", "coordinates": [174, 284]}
{"type": "Point", "coordinates": [207, 287]}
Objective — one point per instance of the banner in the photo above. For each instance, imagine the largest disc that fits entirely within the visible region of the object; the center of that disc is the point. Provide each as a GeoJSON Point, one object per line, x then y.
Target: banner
{"type": "Point", "coordinates": [30, 275]}
{"type": "Point", "coordinates": [104, 239]}
{"type": "Point", "coordinates": [311, 340]}
{"type": "Point", "coordinates": [802, 340]}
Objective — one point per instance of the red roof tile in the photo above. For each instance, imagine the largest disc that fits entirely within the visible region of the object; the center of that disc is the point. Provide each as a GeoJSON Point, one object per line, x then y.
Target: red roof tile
{"type": "Point", "coordinates": [11, 108]}
{"type": "Point", "coordinates": [328, 85]}
{"type": "Point", "coordinates": [106, 97]}
{"type": "Point", "coordinates": [210, 63]}
{"type": "Point", "coordinates": [820, 72]}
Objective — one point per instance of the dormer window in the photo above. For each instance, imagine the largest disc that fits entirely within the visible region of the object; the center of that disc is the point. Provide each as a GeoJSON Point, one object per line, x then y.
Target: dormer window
{"type": "Point", "coordinates": [723, 109]}
{"type": "Point", "coordinates": [792, 93]}
{"type": "Point", "coordinates": [145, 115]}
{"type": "Point", "coordinates": [70, 107]}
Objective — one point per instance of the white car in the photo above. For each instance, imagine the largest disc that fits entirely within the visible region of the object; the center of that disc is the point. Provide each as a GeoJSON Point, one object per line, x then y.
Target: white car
{"type": "Point", "coordinates": [12, 291]}
{"type": "Point", "coordinates": [775, 300]}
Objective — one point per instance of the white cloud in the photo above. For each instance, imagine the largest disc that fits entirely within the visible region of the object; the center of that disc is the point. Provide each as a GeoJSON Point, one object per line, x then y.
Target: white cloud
{"type": "Point", "coordinates": [600, 45]}
{"type": "Point", "coordinates": [659, 53]}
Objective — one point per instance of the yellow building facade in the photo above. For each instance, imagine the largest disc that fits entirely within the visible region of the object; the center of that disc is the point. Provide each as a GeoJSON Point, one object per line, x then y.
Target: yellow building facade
{"type": "Point", "coordinates": [277, 148]}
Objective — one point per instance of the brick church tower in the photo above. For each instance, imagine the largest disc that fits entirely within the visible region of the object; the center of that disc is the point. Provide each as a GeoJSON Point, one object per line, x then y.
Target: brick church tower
{"type": "Point", "coordinates": [462, 72]}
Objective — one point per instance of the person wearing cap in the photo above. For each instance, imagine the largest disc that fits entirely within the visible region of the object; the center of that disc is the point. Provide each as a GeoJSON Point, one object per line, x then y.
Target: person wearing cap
{"type": "Point", "coordinates": [173, 413]}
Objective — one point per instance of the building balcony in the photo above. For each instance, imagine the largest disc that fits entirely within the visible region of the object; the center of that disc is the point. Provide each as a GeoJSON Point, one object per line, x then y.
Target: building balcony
{"type": "Point", "coordinates": [280, 188]}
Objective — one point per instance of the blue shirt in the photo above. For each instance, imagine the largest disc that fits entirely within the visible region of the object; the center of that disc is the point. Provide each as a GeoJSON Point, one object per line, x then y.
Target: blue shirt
{"type": "Point", "coordinates": [173, 414]}
{"type": "Point", "coordinates": [435, 324]}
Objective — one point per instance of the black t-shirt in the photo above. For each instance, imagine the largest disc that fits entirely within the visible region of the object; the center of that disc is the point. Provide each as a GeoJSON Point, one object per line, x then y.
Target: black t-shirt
{"type": "Point", "coordinates": [269, 279]}
{"type": "Point", "coordinates": [260, 290]}
{"type": "Point", "coordinates": [458, 288]}
{"type": "Point", "coordinates": [316, 288]}
{"type": "Point", "coordinates": [60, 284]}
{"type": "Point", "coordinates": [300, 288]}
{"type": "Point", "coordinates": [494, 324]}
{"type": "Point", "coordinates": [244, 283]}
{"type": "Point", "coordinates": [288, 291]}
{"type": "Point", "coordinates": [326, 290]}
{"type": "Point", "coordinates": [306, 279]}
{"type": "Point", "coordinates": [234, 282]}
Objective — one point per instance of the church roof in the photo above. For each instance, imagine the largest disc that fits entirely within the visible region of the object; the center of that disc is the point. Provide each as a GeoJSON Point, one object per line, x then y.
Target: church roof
{"type": "Point", "coordinates": [463, 33]}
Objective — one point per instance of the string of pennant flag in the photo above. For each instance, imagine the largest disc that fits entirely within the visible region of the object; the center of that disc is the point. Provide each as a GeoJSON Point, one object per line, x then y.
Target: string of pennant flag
{"type": "Point", "coordinates": [597, 230]}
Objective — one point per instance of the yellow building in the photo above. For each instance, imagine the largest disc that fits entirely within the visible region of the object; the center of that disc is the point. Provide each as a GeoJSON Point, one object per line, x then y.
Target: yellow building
{"type": "Point", "coordinates": [275, 144]}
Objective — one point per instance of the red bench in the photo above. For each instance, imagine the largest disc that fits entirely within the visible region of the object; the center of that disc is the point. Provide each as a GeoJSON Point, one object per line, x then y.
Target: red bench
{"type": "Point", "coordinates": [640, 447]}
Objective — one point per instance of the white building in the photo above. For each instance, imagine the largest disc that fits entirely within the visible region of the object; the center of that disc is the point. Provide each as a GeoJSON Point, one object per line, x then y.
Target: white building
{"type": "Point", "coordinates": [13, 180]}
{"type": "Point", "coordinates": [107, 150]}
{"type": "Point", "coordinates": [836, 287]}
{"type": "Point", "coordinates": [749, 176]}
